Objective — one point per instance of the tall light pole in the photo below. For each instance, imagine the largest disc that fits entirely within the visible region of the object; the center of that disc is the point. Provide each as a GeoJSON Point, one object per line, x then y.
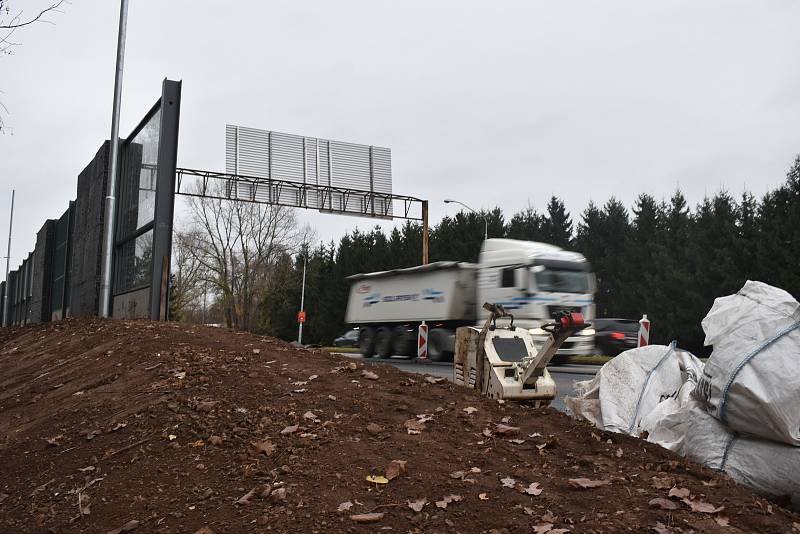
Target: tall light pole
{"type": "Point", "coordinates": [302, 300]}
{"type": "Point", "coordinates": [485, 220]}
{"type": "Point", "coordinates": [8, 261]}
{"type": "Point", "coordinates": [111, 201]}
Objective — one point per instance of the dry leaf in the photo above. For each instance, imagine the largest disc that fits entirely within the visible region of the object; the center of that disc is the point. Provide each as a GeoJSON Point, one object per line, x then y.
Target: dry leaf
{"type": "Point", "coordinates": [310, 416]}
{"type": "Point", "coordinates": [474, 469]}
{"type": "Point", "coordinates": [377, 479]}
{"type": "Point", "coordinates": [395, 469]}
{"type": "Point", "coordinates": [372, 428]}
{"type": "Point", "coordinates": [345, 506]}
{"type": "Point", "coordinates": [457, 474]}
{"type": "Point", "coordinates": [517, 441]}
{"type": "Point", "coordinates": [290, 429]}
{"type": "Point", "coordinates": [663, 482]}
{"type": "Point", "coordinates": [662, 503]}
{"type": "Point", "coordinates": [679, 493]}
{"type": "Point", "coordinates": [508, 482]}
{"type": "Point", "coordinates": [506, 430]}
{"type": "Point", "coordinates": [435, 379]}
{"type": "Point", "coordinates": [470, 410]}
{"type": "Point", "coordinates": [486, 432]}
{"type": "Point", "coordinates": [535, 435]}
{"type": "Point", "coordinates": [417, 505]}
{"type": "Point", "coordinates": [542, 528]}
{"type": "Point", "coordinates": [483, 497]}
{"type": "Point", "coordinates": [244, 500]}
{"type": "Point", "coordinates": [533, 489]}
{"type": "Point", "coordinates": [215, 440]}
{"type": "Point", "coordinates": [83, 504]}
{"type": "Point", "coordinates": [660, 528]}
{"type": "Point", "coordinates": [374, 517]}
{"type": "Point", "coordinates": [265, 447]}
{"type": "Point", "coordinates": [548, 517]}
{"type": "Point", "coordinates": [256, 351]}
{"type": "Point", "coordinates": [585, 483]}
{"type": "Point", "coordinates": [618, 454]}
{"type": "Point", "coordinates": [369, 375]}
{"type": "Point", "coordinates": [711, 483]}
{"type": "Point", "coordinates": [702, 506]}
{"type": "Point", "coordinates": [447, 500]}
{"type": "Point", "coordinates": [724, 521]}
{"type": "Point", "coordinates": [204, 530]}
{"type": "Point", "coordinates": [413, 426]}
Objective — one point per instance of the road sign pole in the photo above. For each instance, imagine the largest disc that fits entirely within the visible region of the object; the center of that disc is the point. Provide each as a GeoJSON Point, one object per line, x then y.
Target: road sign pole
{"type": "Point", "coordinates": [302, 302]}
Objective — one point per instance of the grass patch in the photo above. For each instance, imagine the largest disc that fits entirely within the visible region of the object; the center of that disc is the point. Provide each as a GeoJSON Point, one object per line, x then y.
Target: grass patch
{"type": "Point", "coordinates": [588, 360]}
{"type": "Point", "coordinates": [348, 350]}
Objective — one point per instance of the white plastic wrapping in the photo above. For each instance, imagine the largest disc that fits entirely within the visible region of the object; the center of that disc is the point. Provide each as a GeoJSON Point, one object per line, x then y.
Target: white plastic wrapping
{"type": "Point", "coordinates": [751, 382]}
{"type": "Point", "coordinates": [641, 390]}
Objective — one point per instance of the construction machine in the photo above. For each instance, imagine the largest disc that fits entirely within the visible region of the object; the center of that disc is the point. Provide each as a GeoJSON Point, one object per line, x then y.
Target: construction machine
{"type": "Point", "coordinates": [503, 362]}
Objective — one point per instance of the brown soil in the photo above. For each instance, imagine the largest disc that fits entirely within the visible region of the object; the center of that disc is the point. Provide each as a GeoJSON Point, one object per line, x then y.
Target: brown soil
{"type": "Point", "coordinates": [164, 427]}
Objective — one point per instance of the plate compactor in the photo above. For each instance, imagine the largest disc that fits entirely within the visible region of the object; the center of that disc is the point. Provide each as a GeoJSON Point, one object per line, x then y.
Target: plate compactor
{"type": "Point", "coordinates": [503, 362]}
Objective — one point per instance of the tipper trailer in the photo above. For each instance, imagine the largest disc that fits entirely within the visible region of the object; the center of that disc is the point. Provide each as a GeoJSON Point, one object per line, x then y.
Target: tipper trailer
{"type": "Point", "coordinates": [534, 281]}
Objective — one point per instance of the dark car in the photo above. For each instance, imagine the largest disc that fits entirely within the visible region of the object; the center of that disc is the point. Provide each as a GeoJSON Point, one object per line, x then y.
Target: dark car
{"type": "Point", "coordinates": [348, 339]}
{"type": "Point", "coordinates": [613, 336]}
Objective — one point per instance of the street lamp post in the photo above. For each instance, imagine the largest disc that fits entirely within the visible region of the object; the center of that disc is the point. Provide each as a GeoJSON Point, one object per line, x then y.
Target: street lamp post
{"type": "Point", "coordinates": [485, 220]}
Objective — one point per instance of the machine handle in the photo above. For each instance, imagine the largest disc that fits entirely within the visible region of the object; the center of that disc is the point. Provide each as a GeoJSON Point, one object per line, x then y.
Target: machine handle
{"type": "Point", "coordinates": [497, 311]}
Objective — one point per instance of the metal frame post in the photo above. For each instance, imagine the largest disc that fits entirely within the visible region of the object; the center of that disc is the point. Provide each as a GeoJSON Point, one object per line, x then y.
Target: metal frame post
{"type": "Point", "coordinates": [424, 232]}
{"type": "Point", "coordinates": [165, 198]}
{"type": "Point", "coordinates": [109, 221]}
{"type": "Point", "coordinates": [8, 261]}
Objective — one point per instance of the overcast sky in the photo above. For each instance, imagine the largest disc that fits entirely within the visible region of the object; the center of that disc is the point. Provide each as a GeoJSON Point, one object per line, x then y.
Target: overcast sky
{"type": "Point", "coordinates": [493, 103]}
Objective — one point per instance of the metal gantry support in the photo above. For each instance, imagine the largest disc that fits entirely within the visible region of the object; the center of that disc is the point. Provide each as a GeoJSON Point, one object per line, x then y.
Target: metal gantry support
{"type": "Point", "coordinates": [331, 199]}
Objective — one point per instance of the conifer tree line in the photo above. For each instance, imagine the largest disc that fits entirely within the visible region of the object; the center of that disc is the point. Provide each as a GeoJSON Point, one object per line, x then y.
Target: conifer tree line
{"type": "Point", "coordinates": [661, 257]}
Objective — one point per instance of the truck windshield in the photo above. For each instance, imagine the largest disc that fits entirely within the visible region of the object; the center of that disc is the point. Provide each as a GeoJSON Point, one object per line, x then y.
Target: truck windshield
{"type": "Point", "coordinates": [562, 281]}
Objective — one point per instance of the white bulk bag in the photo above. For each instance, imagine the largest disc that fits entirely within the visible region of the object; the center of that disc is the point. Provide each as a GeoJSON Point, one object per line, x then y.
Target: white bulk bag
{"type": "Point", "coordinates": [751, 382]}
{"type": "Point", "coordinates": [768, 467]}
{"type": "Point", "coordinates": [634, 385]}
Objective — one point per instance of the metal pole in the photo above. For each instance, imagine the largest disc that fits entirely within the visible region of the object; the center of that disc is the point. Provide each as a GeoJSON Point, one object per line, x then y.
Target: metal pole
{"type": "Point", "coordinates": [425, 232]}
{"type": "Point", "coordinates": [111, 201]}
{"type": "Point", "coordinates": [302, 300]}
{"type": "Point", "coordinates": [8, 260]}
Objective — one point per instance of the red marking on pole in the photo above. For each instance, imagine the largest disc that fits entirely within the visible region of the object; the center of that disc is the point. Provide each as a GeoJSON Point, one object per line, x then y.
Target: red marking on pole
{"type": "Point", "coordinates": [422, 341]}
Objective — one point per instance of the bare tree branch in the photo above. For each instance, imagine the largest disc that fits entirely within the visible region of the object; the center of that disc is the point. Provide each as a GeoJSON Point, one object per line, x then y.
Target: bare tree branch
{"type": "Point", "coordinates": [16, 21]}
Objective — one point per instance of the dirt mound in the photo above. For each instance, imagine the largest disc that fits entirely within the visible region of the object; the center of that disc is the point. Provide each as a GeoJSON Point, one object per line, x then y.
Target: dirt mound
{"type": "Point", "coordinates": [117, 426]}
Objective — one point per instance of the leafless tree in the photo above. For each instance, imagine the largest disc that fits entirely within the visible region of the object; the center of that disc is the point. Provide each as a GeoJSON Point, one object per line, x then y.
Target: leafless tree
{"type": "Point", "coordinates": [12, 20]}
{"type": "Point", "coordinates": [237, 245]}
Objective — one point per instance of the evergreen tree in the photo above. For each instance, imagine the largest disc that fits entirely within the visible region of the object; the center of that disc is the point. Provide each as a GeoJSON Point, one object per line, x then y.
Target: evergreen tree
{"type": "Point", "coordinates": [526, 225]}
{"type": "Point", "coordinates": [557, 225]}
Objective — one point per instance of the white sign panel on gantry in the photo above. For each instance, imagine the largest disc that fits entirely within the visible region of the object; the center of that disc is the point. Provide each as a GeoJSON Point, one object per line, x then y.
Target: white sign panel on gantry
{"type": "Point", "coordinates": [335, 168]}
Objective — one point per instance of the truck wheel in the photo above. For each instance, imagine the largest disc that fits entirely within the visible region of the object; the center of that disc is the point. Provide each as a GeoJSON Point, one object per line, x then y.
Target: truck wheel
{"type": "Point", "coordinates": [404, 341]}
{"type": "Point", "coordinates": [437, 343]}
{"type": "Point", "coordinates": [383, 342]}
{"type": "Point", "coordinates": [366, 342]}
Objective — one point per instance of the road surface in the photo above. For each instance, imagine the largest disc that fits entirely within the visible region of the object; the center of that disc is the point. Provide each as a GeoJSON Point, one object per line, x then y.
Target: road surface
{"type": "Point", "coordinates": [564, 375]}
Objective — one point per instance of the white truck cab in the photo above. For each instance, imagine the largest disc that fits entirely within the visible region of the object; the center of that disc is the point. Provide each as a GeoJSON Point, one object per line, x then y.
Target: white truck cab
{"type": "Point", "coordinates": [535, 281]}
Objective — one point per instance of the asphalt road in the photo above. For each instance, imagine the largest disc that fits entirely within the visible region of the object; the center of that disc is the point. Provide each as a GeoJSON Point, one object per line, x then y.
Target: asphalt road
{"type": "Point", "coordinates": [565, 375]}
